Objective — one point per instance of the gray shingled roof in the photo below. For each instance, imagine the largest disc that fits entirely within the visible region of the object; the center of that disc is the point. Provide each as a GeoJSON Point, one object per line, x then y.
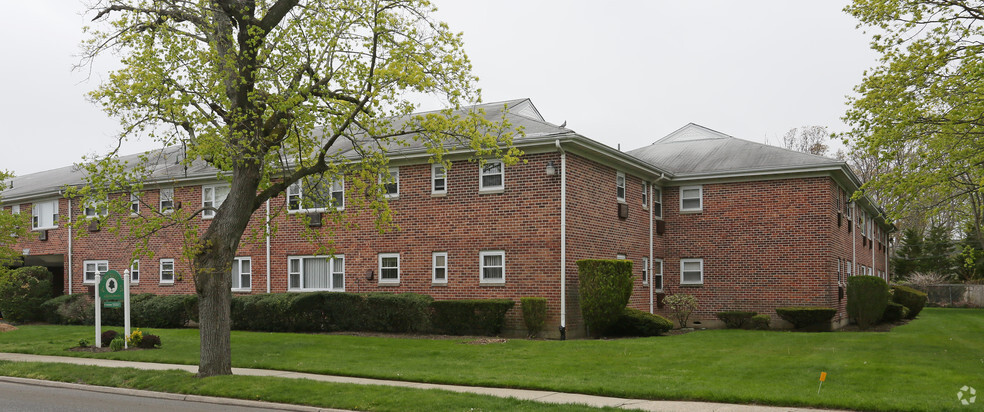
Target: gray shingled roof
{"type": "Point", "coordinates": [694, 149]}
{"type": "Point", "coordinates": [519, 112]}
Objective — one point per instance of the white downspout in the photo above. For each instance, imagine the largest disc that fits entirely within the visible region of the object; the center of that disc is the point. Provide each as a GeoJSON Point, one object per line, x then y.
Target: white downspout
{"type": "Point", "coordinates": [267, 235]}
{"type": "Point", "coordinates": [649, 270]}
{"type": "Point", "coordinates": [69, 246]}
{"type": "Point", "coordinates": [854, 240]}
{"type": "Point", "coordinates": [872, 247]}
{"type": "Point", "coordinates": [563, 239]}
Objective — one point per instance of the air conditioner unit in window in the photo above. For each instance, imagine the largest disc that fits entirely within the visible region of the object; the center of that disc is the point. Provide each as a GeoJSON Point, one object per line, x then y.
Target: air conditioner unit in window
{"type": "Point", "coordinates": [43, 235]}
{"type": "Point", "coordinates": [660, 227]}
{"type": "Point", "coordinates": [94, 225]}
{"type": "Point", "coordinates": [314, 219]}
{"type": "Point", "coordinates": [623, 211]}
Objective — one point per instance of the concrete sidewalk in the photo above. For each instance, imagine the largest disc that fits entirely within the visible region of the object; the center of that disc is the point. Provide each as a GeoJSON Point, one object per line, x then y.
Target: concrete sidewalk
{"type": "Point", "coordinates": [533, 395]}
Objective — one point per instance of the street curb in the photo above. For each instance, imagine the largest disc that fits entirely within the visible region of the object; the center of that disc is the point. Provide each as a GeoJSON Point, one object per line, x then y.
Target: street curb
{"type": "Point", "coordinates": [168, 395]}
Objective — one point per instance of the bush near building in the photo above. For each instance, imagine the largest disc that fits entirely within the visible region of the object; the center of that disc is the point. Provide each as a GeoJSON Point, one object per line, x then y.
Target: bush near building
{"type": "Point", "coordinates": [605, 287]}
{"type": "Point", "coordinates": [911, 298]}
{"type": "Point", "coordinates": [867, 297]}
{"type": "Point", "coordinates": [23, 291]}
{"type": "Point", "coordinates": [805, 316]}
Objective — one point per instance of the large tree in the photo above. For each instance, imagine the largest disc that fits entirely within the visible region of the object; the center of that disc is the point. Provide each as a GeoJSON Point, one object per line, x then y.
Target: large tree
{"type": "Point", "coordinates": [13, 226]}
{"type": "Point", "coordinates": [271, 93]}
{"type": "Point", "coordinates": [920, 112]}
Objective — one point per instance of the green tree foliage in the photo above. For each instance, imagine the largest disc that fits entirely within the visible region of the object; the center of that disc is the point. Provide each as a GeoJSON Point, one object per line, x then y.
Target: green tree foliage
{"type": "Point", "coordinates": [22, 291]}
{"type": "Point", "coordinates": [12, 226]}
{"type": "Point", "coordinates": [969, 262]}
{"type": "Point", "coordinates": [605, 287]}
{"type": "Point", "coordinates": [938, 252]}
{"type": "Point", "coordinates": [907, 257]}
{"type": "Point", "coordinates": [272, 92]}
{"type": "Point", "coordinates": [919, 111]}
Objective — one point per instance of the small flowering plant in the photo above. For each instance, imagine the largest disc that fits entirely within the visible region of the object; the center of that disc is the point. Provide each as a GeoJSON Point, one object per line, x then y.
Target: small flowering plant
{"type": "Point", "coordinates": [135, 338]}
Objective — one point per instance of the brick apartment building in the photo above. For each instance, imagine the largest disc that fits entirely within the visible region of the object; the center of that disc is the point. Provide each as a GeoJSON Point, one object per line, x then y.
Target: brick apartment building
{"type": "Point", "coordinates": [740, 225]}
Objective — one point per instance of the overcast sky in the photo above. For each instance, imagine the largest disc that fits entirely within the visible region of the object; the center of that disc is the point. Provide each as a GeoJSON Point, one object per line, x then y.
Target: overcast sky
{"type": "Point", "coordinates": [622, 73]}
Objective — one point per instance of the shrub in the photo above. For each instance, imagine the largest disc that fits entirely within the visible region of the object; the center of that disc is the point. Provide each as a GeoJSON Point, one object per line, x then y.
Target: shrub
{"type": "Point", "coordinates": [404, 312]}
{"type": "Point", "coordinates": [470, 317]}
{"type": "Point", "coordinates": [343, 311]}
{"type": "Point", "coordinates": [761, 322]}
{"type": "Point", "coordinates": [108, 336]}
{"type": "Point", "coordinates": [605, 287]}
{"type": "Point", "coordinates": [894, 312]}
{"type": "Point", "coordinates": [911, 298]}
{"type": "Point", "coordinates": [83, 343]}
{"type": "Point", "coordinates": [735, 319]}
{"type": "Point", "coordinates": [867, 297]}
{"type": "Point", "coordinates": [634, 322]}
{"type": "Point", "coordinates": [135, 338]}
{"type": "Point", "coordinates": [150, 342]}
{"type": "Point", "coordinates": [77, 310]}
{"type": "Point", "coordinates": [331, 311]}
{"type": "Point", "coordinates": [534, 314]}
{"type": "Point", "coordinates": [22, 291]}
{"type": "Point", "coordinates": [802, 317]}
{"type": "Point", "coordinates": [51, 310]}
{"type": "Point", "coordinates": [682, 306]}
{"type": "Point", "coordinates": [159, 311]}
{"type": "Point", "coordinates": [116, 345]}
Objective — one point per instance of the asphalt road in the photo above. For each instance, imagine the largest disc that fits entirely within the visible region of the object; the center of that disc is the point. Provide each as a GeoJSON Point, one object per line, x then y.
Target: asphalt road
{"type": "Point", "coordinates": [17, 397]}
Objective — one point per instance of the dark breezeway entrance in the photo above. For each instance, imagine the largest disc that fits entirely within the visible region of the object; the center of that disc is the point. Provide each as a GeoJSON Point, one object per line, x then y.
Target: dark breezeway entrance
{"type": "Point", "coordinates": [54, 263]}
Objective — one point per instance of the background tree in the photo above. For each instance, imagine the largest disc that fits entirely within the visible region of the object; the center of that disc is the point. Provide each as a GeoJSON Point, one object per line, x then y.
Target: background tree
{"type": "Point", "coordinates": [907, 257]}
{"type": "Point", "coordinates": [272, 93]}
{"type": "Point", "coordinates": [12, 227]}
{"type": "Point", "coordinates": [919, 113]}
{"type": "Point", "coordinates": [808, 139]}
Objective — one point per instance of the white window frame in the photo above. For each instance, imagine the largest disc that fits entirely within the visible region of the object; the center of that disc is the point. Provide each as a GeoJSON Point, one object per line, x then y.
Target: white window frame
{"type": "Point", "coordinates": [381, 267]}
{"type": "Point", "coordinates": [683, 263]}
{"type": "Point", "coordinates": [482, 173]}
{"type": "Point", "coordinates": [645, 270]}
{"type": "Point", "coordinates": [212, 198]}
{"type": "Point", "coordinates": [700, 198]}
{"type": "Point", "coordinates": [237, 284]}
{"type": "Point", "coordinates": [435, 267]}
{"type": "Point", "coordinates": [645, 195]}
{"type": "Point", "coordinates": [620, 187]}
{"type": "Point", "coordinates": [15, 209]}
{"type": "Point", "coordinates": [482, 267]}
{"type": "Point", "coordinates": [384, 181]}
{"type": "Point", "coordinates": [658, 271]}
{"type": "Point", "coordinates": [336, 268]}
{"type": "Point", "coordinates": [296, 189]}
{"type": "Point", "coordinates": [134, 204]}
{"type": "Point", "coordinates": [37, 221]}
{"type": "Point", "coordinates": [166, 196]}
{"type": "Point", "coordinates": [658, 200]}
{"type": "Point", "coordinates": [93, 209]}
{"type": "Point", "coordinates": [439, 172]}
{"type": "Point", "coordinates": [97, 267]}
{"type": "Point", "coordinates": [162, 271]}
{"type": "Point", "coordinates": [135, 272]}
{"type": "Point", "coordinates": [621, 256]}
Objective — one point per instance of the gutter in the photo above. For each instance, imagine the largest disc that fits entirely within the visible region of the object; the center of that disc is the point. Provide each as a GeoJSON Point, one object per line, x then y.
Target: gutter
{"type": "Point", "coordinates": [563, 240]}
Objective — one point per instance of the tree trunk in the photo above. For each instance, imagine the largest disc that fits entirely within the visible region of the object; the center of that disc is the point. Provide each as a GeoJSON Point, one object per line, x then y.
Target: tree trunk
{"type": "Point", "coordinates": [213, 265]}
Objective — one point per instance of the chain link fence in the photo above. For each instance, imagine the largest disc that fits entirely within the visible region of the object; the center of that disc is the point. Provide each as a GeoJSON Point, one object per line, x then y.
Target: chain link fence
{"type": "Point", "coordinates": [957, 295]}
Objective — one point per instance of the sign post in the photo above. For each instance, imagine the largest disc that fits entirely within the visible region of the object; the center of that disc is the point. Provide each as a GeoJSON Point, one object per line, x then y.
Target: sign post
{"type": "Point", "coordinates": [109, 294]}
{"type": "Point", "coordinates": [126, 304]}
{"type": "Point", "coordinates": [98, 307]}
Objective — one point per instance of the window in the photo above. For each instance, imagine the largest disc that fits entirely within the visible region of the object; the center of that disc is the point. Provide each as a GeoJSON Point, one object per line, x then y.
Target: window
{"type": "Point", "coordinates": [167, 270]}
{"type": "Point", "coordinates": [439, 179]}
{"type": "Point", "coordinates": [493, 265]}
{"type": "Point", "coordinates": [135, 272]}
{"type": "Point", "coordinates": [316, 273]}
{"type": "Point", "coordinates": [391, 183]}
{"type": "Point", "coordinates": [657, 203]}
{"type": "Point", "coordinates": [93, 268]}
{"type": "Point", "coordinates": [167, 200]}
{"type": "Point", "coordinates": [620, 186]}
{"type": "Point", "coordinates": [134, 204]}
{"type": "Point", "coordinates": [15, 210]}
{"type": "Point", "coordinates": [491, 176]}
{"type": "Point", "coordinates": [691, 198]}
{"type": "Point", "coordinates": [314, 194]}
{"type": "Point", "coordinates": [658, 274]}
{"type": "Point", "coordinates": [95, 209]}
{"type": "Point", "coordinates": [645, 270]}
{"type": "Point", "coordinates": [862, 225]}
{"type": "Point", "coordinates": [440, 262]}
{"type": "Point", "coordinates": [212, 197]}
{"type": "Point", "coordinates": [389, 268]}
{"type": "Point", "coordinates": [691, 271]}
{"type": "Point", "coordinates": [620, 256]}
{"type": "Point", "coordinates": [847, 208]}
{"type": "Point", "coordinates": [645, 195]}
{"type": "Point", "coordinates": [242, 272]}
{"type": "Point", "coordinates": [45, 215]}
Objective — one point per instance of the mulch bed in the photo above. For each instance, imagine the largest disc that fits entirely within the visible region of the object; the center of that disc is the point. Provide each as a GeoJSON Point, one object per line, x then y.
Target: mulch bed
{"type": "Point", "coordinates": [93, 349]}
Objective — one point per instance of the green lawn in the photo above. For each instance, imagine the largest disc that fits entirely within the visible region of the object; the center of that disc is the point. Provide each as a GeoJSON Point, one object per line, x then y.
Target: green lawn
{"type": "Point", "coordinates": [919, 366]}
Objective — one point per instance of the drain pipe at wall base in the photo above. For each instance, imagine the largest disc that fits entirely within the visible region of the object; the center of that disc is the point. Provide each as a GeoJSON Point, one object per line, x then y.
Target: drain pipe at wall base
{"type": "Point", "coordinates": [69, 246]}
{"type": "Point", "coordinates": [563, 240]}
{"type": "Point", "coordinates": [267, 235]}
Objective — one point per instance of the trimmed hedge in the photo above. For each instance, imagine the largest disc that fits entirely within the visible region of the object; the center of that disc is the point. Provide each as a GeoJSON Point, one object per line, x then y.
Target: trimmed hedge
{"type": "Point", "coordinates": [634, 322]}
{"type": "Point", "coordinates": [605, 287]}
{"type": "Point", "coordinates": [802, 317]}
{"type": "Point", "coordinates": [867, 297]}
{"type": "Point", "coordinates": [23, 291]}
{"type": "Point", "coordinates": [761, 322]}
{"type": "Point", "coordinates": [470, 317]}
{"type": "Point", "coordinates": [534, 314]}
{"type": "Point", "coordinates": [735, 319]}
{"type": "Point", "coordinates": [66, 310]}
{"type": "Point", "coordinates": [159, 311]}
{"type": "Point", "coordinates": [331, 311]}
{"type": "Point", "coordinates": [911, 298]}
{"type": "Point", "coordinates": [894, 312]}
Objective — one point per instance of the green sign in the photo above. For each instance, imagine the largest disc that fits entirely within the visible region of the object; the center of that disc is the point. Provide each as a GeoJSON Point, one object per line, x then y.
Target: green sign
{"type": "Point", "coordinates": [111, 289]}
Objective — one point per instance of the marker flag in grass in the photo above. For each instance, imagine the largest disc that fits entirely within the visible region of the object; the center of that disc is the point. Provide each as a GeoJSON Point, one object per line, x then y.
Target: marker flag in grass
{"type": "Point", "coordinates": [823, 377]}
